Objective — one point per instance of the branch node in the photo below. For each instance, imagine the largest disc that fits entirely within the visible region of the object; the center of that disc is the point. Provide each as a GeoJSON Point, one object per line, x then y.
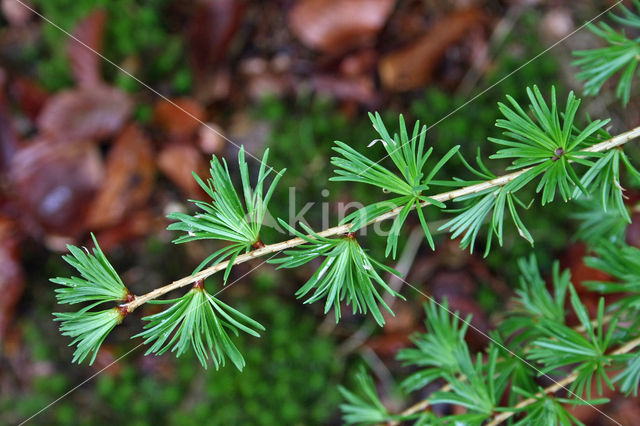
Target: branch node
{"type": "Point", "coordinates": [199, 285]}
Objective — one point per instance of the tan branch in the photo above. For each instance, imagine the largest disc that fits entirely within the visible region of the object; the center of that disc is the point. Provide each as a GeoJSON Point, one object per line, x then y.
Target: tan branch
{"type": "Point", "coordinates": [618, 140]}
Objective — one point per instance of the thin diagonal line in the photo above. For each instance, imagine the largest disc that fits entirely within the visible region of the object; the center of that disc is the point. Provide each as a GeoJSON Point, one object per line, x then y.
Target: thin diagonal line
{"type": "Point", "coordinates": [70, 391]}
{"type": "Point", "coordinates": [495, 84]}
{"type": "Point", "coordinates": [142, 83]}
{"type": "Point", "coordinates": [469, 324]}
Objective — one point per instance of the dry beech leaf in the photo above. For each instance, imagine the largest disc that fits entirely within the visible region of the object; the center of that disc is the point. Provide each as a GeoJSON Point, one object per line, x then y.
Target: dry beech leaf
{"type": "Point", "coordinates": [54, 184]}
{"type": "Point", "coordinates": [175, 121]}
{"type": "Point", "coordinates": [128, 180]}
{"type": "Point", "coordinates": [334, 26]}
{"type": "Point", "coordinates": [11, 273]}
{"type": "Point", "coordinates": [85, 64]}
{"type": "Point", "coordinates": [85, 114]}
{"type": "Point", "coordinates": [573, 258]}
{"type": "Point", "coordinates": [412, 66]}
{"type": "Point", "coordinates": [214, 24]}
{"type": "Point", "coordinates": [177, 161]}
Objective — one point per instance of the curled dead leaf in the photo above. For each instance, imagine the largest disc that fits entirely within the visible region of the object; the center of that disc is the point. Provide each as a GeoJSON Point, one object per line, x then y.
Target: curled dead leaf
{"type": "Point", "coordinates": [334, 26]}
{"type": "Point", "coordinates": [177, 161]}
{"type": "Point", "coordinates": [128, 179]}
{"type": "Point", "coordinates": [180, 118]}
{"type": "Point", "coordinates": [85, 114]}
{"type": "Point", "coordinates": [412, 66]}
{"type": "Point", "coordinates": [54, 184]}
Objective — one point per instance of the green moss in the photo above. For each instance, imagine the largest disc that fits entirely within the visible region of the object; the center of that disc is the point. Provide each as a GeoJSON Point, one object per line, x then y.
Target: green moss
{"type": "Point", "coordinates": [290, 377]}
{"type": "Point", "coordinates": [134, 29]}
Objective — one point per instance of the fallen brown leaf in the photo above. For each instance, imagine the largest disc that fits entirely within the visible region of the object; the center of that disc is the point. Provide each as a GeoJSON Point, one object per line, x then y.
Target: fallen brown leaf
{"type": "Point", "coordinates": [128, 179]}
{"type": "Point", "coordinates": [107, 361]}
{"type": "Point", "coordinates": [85, 114]}
{"type": "Point", "coordinates": [54, 184]}
{"type": "Point", "coordinates": [175, 121]}
{"type": "Point", "coordinates": [412, 66]}
{"type": "Point", "coordinates": [335, 26]}
{"type": "Point", "coordinates": [177, 161]}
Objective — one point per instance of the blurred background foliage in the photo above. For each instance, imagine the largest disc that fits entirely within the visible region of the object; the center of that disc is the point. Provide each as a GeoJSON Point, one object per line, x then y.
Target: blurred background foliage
{"type": "Point", "coordinates": [292, 76]}
{"type": "Point", "coordinates": [138, 33]}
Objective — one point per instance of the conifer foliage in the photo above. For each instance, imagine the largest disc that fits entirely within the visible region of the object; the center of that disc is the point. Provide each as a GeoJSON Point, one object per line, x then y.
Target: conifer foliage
{"type": "Point", "coordinates": [552, 149]}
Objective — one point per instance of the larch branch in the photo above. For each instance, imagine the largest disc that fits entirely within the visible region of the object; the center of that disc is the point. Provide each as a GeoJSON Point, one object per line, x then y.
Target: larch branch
{"type": "Point", "coordinates": [615, 141]}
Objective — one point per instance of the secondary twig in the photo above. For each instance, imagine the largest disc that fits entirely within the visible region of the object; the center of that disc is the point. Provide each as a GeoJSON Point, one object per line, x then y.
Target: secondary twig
{"type": "Point", "coordinates": [615, 141]}
{"type": "Point", "coordinates": [425, 403]}
{"type": "Point", "coordinates": [421, 405]}
{"type": "Point", "coordinates": [561, 384]}
{"type": "Point", "coordinates": [627, 347]}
